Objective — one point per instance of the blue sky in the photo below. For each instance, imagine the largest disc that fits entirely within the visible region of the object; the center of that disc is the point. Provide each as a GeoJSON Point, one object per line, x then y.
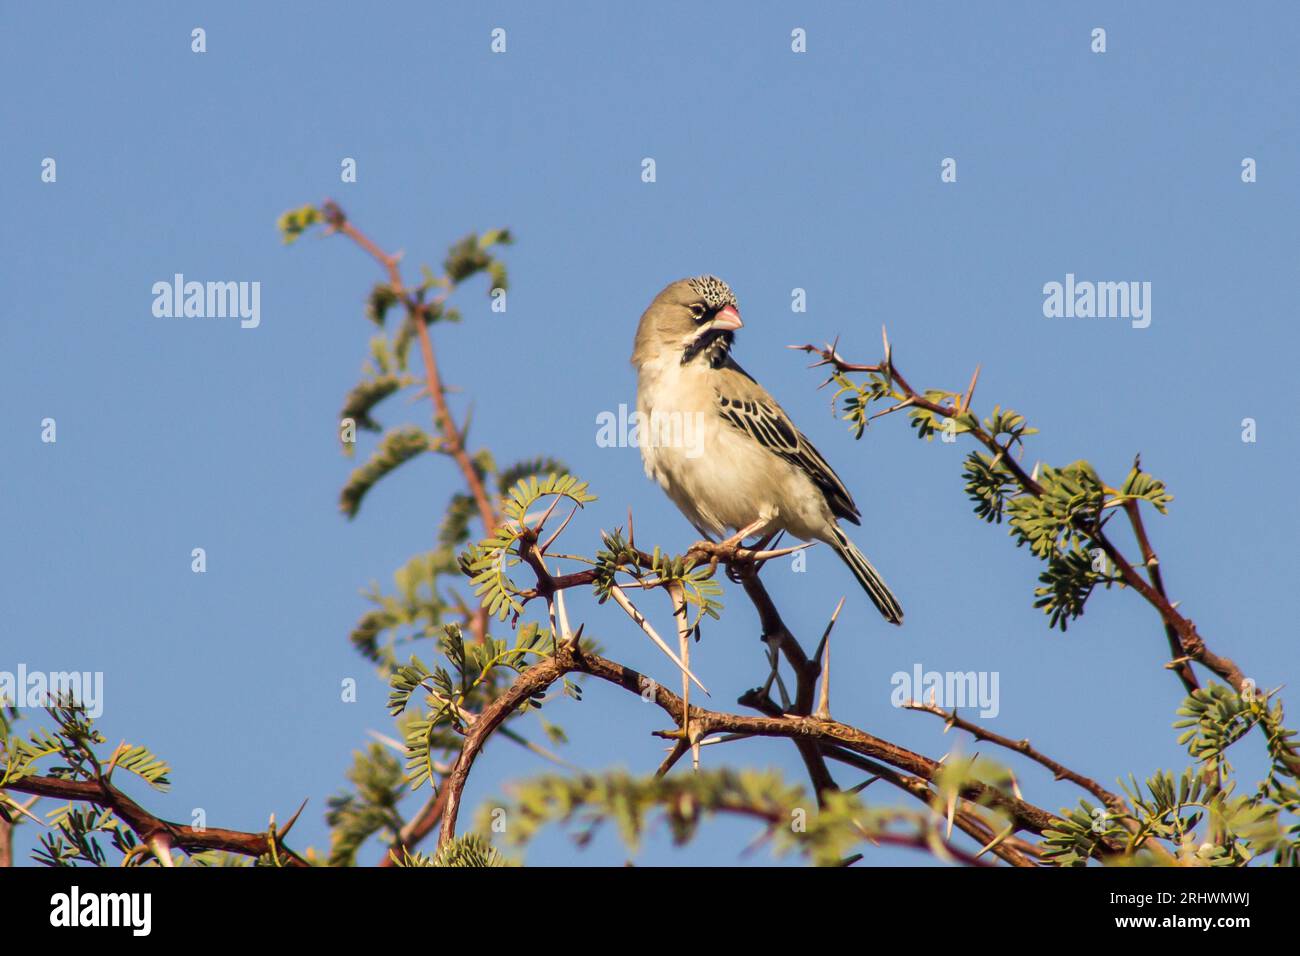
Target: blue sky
{"type": "Point", "coordinates": [775, 171]}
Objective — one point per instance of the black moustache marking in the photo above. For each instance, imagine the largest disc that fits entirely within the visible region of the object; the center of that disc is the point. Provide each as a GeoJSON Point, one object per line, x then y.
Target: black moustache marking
{"type": "Point", "coordinates": [715, 344]}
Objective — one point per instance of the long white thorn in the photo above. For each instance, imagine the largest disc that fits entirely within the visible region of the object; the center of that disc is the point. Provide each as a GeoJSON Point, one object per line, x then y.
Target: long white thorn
{"type": "Point", "coordinates": [639, 619]}
{"type": "Point", "coordinates": [824, 696]}
{"type": "Point", "coordinates": [564, 615]}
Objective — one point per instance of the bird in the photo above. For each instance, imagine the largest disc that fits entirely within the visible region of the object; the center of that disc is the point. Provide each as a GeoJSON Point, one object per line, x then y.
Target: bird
{"type": "Point", "coordinates": [748, 468]}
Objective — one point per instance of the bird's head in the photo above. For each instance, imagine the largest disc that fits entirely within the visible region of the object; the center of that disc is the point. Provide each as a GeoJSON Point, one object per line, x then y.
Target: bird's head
{"type": "Point", "coordinates": [693, 318]}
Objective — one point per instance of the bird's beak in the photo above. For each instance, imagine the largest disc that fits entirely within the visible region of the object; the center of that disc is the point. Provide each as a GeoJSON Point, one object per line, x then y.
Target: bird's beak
{"type": "Point", "coordinates": [727, 319]}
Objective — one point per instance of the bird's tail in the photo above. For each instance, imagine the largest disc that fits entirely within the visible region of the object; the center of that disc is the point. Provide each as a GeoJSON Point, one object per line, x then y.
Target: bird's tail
{"type": "Point", "coordinates": [867, 576]}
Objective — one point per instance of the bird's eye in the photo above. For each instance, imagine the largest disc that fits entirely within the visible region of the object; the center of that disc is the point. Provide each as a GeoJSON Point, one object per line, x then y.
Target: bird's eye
{"type": "Point", "coordinates": [697, 311]}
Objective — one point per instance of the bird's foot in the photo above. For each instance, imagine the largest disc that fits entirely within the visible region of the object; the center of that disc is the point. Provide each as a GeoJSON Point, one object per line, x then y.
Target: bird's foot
{"type": "Point", "coordinates": [735, 540]}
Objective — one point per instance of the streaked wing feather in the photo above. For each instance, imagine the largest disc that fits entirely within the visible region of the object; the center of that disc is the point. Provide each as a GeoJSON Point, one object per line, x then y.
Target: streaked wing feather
{"type": "Point", "coordinates": [767, 423]}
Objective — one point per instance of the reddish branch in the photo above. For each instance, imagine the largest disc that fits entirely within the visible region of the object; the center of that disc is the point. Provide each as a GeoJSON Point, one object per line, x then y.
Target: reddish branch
{"type": "Point", "coordinates": [916, 841]}
{"type": "Point", "coordinates": [1113, 802]}
{"type": "Point", "coordinates": [1060, 771]}
{"type": "Point", "coordinates": [1012, 849]}
{"type": "Point", "coordinates": [702, 552]}
{"type": "Point", "coordinates": [1184, 639]}
{"type": "Point", "coordinates": [148, 827]}
{"type": "Point", "coordinates": [806, 672]}
{"type": "Point", "coordinates": [451, 441]}
{"type": "Point", "coordinates": [417, 313]}
{"type": "Point", "coordinates": [419, 827]}
{"type": "Point", "coordinates": [569, 658]}
{"type": "Point", "coordinates": [814, 753]}
{"type": "Point", "coordinates": [816, 738]}
{"type": "Point", "coordinates": [773, 628]}
{"type": "Point", "coordinates": [1178, 659]}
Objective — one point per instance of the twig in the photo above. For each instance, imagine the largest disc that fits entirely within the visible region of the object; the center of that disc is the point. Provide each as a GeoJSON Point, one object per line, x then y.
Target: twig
{"type": "Point", "coordinates": [146, 826]}
{"type": "Point", "coordinates": [1011, 849]}
{"type": "Point", "coordinates": [806, 671]}
{"type": "Point", "coordinates": [1059, 771]}
{"type": "Point", "coordinates": [570, 658]}
{"type": "Point", "coordinates": [417, 828]}
{"type": "Point", "coordinates": [1179, 661]}
{"type": "Point", "coordinates": [1114, 803]}
{"type": "Point", "coordinates": [1192, 643]}
{"type": "Point", "coordinates": [451, 440]}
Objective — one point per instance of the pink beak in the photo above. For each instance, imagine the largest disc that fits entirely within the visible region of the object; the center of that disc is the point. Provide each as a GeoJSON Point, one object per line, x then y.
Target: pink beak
{"type": "Point", "coordinates": [727, 319]}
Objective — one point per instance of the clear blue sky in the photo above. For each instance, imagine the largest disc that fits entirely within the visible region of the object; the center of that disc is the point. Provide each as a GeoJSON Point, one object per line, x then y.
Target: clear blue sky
{"type": "Point", "coordinates": [775, 171]}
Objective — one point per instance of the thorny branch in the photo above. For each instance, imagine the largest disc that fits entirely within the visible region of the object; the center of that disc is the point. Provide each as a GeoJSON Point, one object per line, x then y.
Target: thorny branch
{"type": "Point", "coordinates": [570, 657]}
{"type": "Point", "coordinates": [817, 737]}
{"type": "Point", "coordinates": [1061, 772]}
{"type": "Point", "coordinates": [451, 442]}
{"type": "Point", "coordinates": [156, 832]}
{"type": "Point", "coordinates": [1114, 803]}
{"type": "Point", "coordinates": [1186, 642]}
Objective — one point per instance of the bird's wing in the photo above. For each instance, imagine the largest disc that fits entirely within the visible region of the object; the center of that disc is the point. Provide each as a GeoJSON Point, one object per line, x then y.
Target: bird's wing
{"type": "Point", "coordinates": [746, 405]}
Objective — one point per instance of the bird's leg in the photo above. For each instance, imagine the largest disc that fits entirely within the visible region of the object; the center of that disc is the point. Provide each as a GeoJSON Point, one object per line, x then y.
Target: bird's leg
{"type": "Point", "coordinates": [752, 528]}
{"type": "Point", "coordinates": [706, 544]}
{"type": "Point", "coordinates": [736, 540]}
{"type": "Point", "coordinates": [747, 566]}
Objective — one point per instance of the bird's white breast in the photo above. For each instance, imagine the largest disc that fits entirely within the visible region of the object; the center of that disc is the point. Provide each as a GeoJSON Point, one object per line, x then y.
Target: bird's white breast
{"type": "Point", "coordinates": [720, 477]}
